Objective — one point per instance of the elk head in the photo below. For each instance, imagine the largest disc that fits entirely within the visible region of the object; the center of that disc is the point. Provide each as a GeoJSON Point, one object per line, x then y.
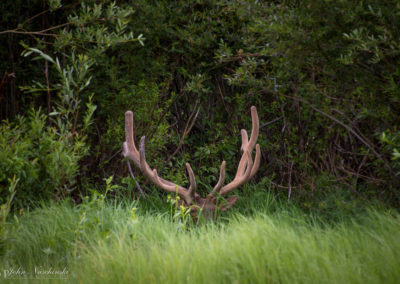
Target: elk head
{"type": "Point", "coordinates": [245, 171]}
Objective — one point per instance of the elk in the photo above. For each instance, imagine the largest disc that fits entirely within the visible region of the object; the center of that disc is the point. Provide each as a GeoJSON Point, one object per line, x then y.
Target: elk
{"type": "Point", "coordinates": [209, 205]}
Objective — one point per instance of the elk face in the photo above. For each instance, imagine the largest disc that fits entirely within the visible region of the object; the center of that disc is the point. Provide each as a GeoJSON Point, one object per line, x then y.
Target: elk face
{"type": "Point", "coordinates": [209, 205]}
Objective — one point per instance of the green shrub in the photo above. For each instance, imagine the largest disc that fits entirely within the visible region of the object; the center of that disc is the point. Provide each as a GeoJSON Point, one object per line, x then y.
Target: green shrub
{"type": "Point", "coordinates": [45, 162]}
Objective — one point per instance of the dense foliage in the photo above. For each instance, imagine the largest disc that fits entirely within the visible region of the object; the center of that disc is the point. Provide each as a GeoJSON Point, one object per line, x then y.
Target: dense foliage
{"type": "Point", "coordinates": [324, 76]}
{"type": "Point", "coordinates": [45, 163]}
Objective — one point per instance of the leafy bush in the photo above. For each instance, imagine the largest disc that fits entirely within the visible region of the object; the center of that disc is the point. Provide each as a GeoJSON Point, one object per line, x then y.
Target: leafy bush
{"type": "Point", "coordinates": [45, 162]}
{"type": "Point", "coordinates": [47, 153]}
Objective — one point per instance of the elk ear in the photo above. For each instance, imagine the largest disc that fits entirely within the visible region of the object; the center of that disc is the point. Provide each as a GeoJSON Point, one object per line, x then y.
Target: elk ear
{"type": "Point", "coordinates": [230, 201]}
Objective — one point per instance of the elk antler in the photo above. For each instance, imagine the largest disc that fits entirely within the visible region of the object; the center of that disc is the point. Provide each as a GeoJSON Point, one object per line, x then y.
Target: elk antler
{"type": "Point", "coordinates": [139, 159]}
{"type": "Point", "coordinates": [246, 169]}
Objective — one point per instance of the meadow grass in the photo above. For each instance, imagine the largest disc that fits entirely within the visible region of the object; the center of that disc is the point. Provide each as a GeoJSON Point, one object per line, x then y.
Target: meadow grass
{"type": "Point", "coordinates": [100, 242]}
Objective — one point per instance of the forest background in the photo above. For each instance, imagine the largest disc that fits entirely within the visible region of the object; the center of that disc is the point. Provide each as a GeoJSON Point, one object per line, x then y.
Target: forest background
{"type": "Point", "coordinates": [324, 76]}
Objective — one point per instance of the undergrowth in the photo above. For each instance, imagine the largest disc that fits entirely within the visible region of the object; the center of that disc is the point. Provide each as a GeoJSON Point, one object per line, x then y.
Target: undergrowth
{"type": "Point", "coordinates": [265, 242]}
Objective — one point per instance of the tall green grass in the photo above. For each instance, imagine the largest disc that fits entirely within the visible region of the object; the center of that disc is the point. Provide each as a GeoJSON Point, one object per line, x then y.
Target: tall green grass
{"type": "Point", "coordinates": [113, 243]}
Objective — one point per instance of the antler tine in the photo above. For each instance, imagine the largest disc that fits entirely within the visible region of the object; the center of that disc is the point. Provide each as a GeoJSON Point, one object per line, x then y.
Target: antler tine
{"type": "Point", "coordinates": [245, 139]}
{"type": "Point", "coordinates": [256, 164]}
{"type": "Point", "coordinates": [254, 129]}
{"type": "Point", "coordinates": [246, 168]}
{"type": "Point", "coordinates": [129, 131]}
{"type": "Point", "coordinates": [192, 180]}
{"type": "Point", "coordinates": [249, 145]}
{"type": "Point", "coordinates": [129, 149]}
{"type": "Point", "coordinates": [221, 180]}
